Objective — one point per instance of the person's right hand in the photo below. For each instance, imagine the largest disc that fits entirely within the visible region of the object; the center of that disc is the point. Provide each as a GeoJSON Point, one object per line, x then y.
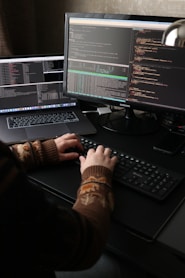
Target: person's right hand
{"type": "Point", "coordinates": [100, 156]}
{"type": "Point", "coordinates": [66, 142]}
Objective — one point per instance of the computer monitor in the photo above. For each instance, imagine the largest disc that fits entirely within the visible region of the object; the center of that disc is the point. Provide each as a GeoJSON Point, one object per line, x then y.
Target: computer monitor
{"type": "Point", "coordinates": [31, 82]}
{"type": "Point", "coordinates": [119, 60]}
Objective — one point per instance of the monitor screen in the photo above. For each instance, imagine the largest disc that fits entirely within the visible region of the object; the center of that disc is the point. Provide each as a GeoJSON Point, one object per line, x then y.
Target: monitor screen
{"type": "Point", "coordinates": [31, 83]}
{"type": "Point", "coordinates": [119, 60]}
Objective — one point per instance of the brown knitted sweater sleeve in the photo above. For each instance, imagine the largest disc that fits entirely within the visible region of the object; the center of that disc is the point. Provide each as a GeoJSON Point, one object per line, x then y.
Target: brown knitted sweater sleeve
{"type": "Point", "coordinates": [95, 201]}
{"type": "Point", "coordinates": [37, 153]}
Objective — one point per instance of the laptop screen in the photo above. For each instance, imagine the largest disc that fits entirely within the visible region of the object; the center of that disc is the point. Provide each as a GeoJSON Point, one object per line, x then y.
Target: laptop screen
{"type": "Point", "coordinates": [32, 83]}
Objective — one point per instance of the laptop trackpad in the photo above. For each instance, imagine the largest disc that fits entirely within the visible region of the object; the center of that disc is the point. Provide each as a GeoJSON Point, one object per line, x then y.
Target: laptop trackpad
{"type": "Point", "coordinates": [46, 131]}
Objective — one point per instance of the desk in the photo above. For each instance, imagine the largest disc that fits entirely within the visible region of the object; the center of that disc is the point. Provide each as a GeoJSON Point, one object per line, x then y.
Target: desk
{"type": "Point", "coordinates": [164, 254]}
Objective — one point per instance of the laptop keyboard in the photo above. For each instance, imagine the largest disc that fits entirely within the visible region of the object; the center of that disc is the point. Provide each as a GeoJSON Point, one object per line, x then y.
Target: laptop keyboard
{"type": "Point", "coordinates": [22, 121]}
{"type": "Point", "coordinates": [140, 175]}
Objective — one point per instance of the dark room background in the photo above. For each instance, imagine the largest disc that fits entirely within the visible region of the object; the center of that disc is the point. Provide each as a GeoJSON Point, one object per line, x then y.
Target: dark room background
{"type": "Point", "coordinates": [37, 26]}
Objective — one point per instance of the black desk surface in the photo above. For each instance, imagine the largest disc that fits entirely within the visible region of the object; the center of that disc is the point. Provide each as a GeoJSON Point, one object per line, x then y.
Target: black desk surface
{"type": "Point", "coordinates": [142, 216]}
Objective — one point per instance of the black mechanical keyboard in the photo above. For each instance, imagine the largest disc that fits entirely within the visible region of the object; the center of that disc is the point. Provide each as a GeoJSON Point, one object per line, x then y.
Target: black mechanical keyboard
{"type": "Point", "coordinates": [140, 175]}
{"type": "Point", "coordinates": [42, 118]}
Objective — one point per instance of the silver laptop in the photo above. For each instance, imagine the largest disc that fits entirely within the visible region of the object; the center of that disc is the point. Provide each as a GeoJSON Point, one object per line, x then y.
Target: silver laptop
{"type": "Point", "coordinates": [32, 103]}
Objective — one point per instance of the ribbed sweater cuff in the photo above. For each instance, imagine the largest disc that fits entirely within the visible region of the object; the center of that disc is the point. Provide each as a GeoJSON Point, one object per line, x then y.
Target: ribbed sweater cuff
{"type": "Point", "coordinates": [97, 171]}
{"type": "Point", "coordinates": [50, 153]}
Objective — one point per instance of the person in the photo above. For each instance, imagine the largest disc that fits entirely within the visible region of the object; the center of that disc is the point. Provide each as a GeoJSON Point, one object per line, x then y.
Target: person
{"type": "Point", "coordinates": [38, 237]}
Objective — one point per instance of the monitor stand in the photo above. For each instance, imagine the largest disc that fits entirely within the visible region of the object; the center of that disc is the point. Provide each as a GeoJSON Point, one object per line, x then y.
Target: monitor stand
{"type": "Point", "coordinates": [127, 122]}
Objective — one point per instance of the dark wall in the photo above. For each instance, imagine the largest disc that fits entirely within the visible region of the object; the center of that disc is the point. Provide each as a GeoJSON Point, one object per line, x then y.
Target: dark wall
{"type": "Point", "coordinates": [20, 22]}
{"type": "Point", "coordinates": [50, 25]}
{"type": "Point", "coordinates": [34, 26]}
{"type": "Point", "coordinates": [37, 26]}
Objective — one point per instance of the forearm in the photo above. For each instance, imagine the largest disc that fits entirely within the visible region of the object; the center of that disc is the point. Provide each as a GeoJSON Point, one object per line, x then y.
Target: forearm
{"type": "Point", "coordinates": [95, 187]}
{"type": "Point", "coordinates": [95, 202]}
{"type": "Point", "coordinates": [37, 153]}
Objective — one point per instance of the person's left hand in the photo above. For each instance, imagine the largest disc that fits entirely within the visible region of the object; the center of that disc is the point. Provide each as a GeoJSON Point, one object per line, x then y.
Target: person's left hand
{"type": "Point", "coordinates": [68, 146]}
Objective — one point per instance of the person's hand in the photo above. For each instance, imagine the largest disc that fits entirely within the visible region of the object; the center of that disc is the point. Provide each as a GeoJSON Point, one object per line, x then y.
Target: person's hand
{"type": "Point", "coordinates": [68, 146]}
{"type": "Point", "coordinates": [100, 156]}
